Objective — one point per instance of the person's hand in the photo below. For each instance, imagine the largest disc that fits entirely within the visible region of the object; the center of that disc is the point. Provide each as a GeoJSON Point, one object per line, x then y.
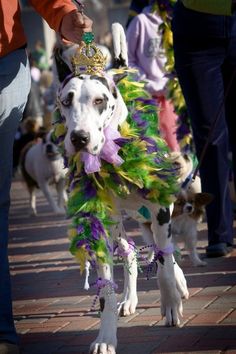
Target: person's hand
{"type": "Point", "coordinates": [74, 25]}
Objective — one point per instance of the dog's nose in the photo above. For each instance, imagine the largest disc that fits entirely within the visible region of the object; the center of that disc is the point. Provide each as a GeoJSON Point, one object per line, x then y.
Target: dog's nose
{"type": "Point", "coordinates": [49, 148]}
{"type": "Point", "coordinates": [79, 139]}
{"type": "Point", "coordinates": [189, 208]}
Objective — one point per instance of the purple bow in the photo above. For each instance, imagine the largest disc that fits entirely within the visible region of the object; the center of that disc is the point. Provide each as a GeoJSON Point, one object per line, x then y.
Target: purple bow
{"type": "Point", "coordinates": [109, 153]}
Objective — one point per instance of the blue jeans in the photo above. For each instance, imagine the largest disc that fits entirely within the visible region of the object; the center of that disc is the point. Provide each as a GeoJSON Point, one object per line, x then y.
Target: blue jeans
{"type": "Point", "coordinates": [14, 89]}
{"type": "Point", "coordinates": [205, 61]}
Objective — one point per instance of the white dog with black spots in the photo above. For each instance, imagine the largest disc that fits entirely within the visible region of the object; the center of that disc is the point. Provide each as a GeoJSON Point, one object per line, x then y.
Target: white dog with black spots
{"type": "Point", "coordinates": [89, 104]}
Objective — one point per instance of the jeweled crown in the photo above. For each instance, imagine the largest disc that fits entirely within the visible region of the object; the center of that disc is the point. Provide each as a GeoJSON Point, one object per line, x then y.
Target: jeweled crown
{"type": "Point", "coordinates": [88, 58]}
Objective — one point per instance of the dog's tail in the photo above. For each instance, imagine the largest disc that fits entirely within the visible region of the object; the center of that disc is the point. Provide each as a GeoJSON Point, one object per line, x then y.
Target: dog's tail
{"type": "Point", "coordinates": [119, 45]}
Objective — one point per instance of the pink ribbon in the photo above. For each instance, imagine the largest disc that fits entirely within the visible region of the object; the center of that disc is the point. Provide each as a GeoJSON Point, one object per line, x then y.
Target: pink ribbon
{"type": "Point", "coordinates": [109, 153]}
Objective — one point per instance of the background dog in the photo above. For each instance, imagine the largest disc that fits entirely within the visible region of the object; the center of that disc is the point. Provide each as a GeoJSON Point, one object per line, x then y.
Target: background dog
{"type": "Point", "coordinates": [42, 165]}
{"type": "Point", "coordinates": [183, 165]}
{"type": "Point", "coordinates": [28, 131]}
{"type": "Point", "coordinates": [188, 212]}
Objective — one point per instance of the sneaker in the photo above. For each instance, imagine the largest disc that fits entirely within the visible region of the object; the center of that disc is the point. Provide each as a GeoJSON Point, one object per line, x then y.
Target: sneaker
{"type": "Point", "coordinates": [217, 250]}
{"type": "Point", "coordinates": [9, 348]}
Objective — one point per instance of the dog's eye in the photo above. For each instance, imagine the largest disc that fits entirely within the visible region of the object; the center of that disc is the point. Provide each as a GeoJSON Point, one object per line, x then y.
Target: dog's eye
{"type": "Point", "coordinates": [97, 101]}
{"type": "Point", "coordinates": [68, 100]}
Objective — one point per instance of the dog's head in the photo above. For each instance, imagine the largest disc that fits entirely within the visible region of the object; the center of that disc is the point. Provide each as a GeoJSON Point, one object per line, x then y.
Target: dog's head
{"type": "Point", "coordinates": [50, 150]}
{"type": "Point", "coordinates": [191, 204]}
{"type": "Point", "coordinates": [88, 104]}
{"type": "Point", "coordinates": [183, 165]}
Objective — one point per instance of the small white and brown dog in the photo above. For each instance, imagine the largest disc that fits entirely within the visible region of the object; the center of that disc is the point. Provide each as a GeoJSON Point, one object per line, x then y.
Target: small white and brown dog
{"type": "Point", "coordinates": [41, 166]}
{"type": "Point", "coordinates": [189, 209]}
{"type": "Point", "coordinates": [187, 214]}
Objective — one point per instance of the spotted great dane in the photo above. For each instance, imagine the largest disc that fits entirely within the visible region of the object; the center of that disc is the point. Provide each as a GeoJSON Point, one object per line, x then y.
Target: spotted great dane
{"type": "Point", "coordinates": [89, 104]}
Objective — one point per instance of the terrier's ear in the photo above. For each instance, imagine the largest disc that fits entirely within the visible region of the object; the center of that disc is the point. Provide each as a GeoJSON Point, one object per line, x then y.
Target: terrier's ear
{"type": "Point", "coordinates": [182, 194]}
{"type": "Point", "coordinates": [203, 199]}
{"type": "Point", "coordinates": [63, 69]}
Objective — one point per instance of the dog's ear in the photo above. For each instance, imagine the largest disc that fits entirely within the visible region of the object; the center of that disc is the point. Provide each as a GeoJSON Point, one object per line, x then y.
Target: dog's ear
{"type": "Point", "coordinates": [63, 69]}
{"type": "Point", "coordinates": [182, 194]}
{"type": "Point", "coordinates": [203, 199]}
{"type": "Point", "coordinates": [119, 62]}
{"type": "Point", "coordinates": [118, 77]}
{"type": "Point", "coordinates": [100, 78]}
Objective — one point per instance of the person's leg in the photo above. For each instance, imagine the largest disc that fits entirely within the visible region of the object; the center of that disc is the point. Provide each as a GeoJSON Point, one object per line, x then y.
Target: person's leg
{"type": "Point", "coordinates": [198, 63]}
{"type": "Point", "coordinates": [14, 89]}
{"type": "Point", "coordinates": [230, 107]}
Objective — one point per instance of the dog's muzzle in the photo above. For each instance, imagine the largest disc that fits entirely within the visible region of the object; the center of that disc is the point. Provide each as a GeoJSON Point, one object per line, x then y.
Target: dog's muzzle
{"type": "Point", "coordinates": [51, 154]}
{"type": "Point", "coordinates": [188, 208]}
{"type": "Point", "coordinates": [79, 139]}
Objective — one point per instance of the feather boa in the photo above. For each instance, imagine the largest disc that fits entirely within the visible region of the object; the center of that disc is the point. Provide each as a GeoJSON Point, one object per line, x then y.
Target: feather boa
{"type": "Point", "coordinates": [145, 168]}
{"type": "Point", "coordinates": [174, 93]}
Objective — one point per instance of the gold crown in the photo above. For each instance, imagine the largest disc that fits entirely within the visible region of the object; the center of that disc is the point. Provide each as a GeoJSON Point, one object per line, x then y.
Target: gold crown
{"type": "Point", "coordinates": [88, 58]}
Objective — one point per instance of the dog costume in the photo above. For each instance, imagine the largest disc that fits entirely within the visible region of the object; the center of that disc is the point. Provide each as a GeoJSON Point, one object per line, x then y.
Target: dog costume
{"type": "Point", "coordinates": [130, 168]}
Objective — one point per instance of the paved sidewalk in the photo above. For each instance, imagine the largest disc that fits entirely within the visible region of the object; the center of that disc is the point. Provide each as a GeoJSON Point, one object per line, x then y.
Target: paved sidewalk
{"type": "Point", "coordinates": [52, 310]}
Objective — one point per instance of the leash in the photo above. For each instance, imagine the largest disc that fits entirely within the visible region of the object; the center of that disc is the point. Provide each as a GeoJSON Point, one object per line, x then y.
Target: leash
{"type": "Point", "coordinates": [191, 178]}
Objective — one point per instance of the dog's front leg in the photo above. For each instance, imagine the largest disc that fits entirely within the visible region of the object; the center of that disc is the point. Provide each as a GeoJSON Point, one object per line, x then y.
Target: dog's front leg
{"type": "Point", "coordinates": [106, 341]}
{"type": "Point", "coordinates": [46, 191]}
{"type": "Point", "coordinates": [171, 281]}
{"type": "Point", "coordinates": [191, 245]}
{"type": "Point", "coordinates": [126, 250]}
{"type": "Point", "coordinates": [33, 210]}
{"type": "Point", "coordinates": [61, 193]}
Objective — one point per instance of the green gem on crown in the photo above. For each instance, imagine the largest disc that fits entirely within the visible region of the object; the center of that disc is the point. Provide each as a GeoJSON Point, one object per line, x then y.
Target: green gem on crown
{"type": "Point", "coordinates": [88, 37]}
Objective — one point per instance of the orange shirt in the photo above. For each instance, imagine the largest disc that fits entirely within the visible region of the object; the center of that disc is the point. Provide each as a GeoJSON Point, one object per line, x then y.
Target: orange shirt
{"type": "Point", "coordinates": [12, 34]}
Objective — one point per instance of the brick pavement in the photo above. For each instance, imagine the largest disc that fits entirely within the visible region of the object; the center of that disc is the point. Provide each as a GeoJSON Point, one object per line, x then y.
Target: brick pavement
{"type": "Point", "coordinates": [52, 311]}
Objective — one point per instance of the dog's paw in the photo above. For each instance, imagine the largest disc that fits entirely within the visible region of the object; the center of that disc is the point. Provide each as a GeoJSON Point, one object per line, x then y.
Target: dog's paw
{"type": "Point", "coordinates": [173, 287]}
{"type": "Point", "coordinates": [171, 303]}
{"type": "Point", "coordinates": [59, 211]}
{"type": "Point", "coordinates": [102, 348]}
{"type": "Point", "coordinates": [199, 263]}
{"type": "Point", "coordinates": [172, 309]}
{"type": "Point", "coordinates": [128, 306]}
{"type": "Point", "coordinates": [106, 341]}
{"type": "Point", "coordinates": [196, 260]}
{"type": "Point", "coordinates": [33, 212]}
